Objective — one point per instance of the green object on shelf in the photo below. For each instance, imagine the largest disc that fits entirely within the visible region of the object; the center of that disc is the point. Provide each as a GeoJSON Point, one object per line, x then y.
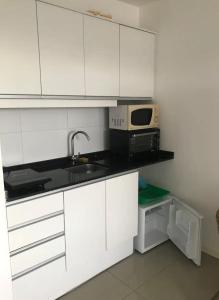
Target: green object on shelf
{"type": "Point", "coordinates": [151, 194]}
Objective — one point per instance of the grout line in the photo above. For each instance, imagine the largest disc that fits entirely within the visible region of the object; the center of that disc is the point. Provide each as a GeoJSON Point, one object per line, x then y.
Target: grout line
{"type": "Point", "coordinates": [146, 280]}
{"type": "Point", "coordinates": [216, 296]}
{"type": "Point", "coordinates": [152, 277]}
{"type": "Point", "coordinates": [120, 280]}
{"type": "Point", "coordinates": [44, 130]}
{"type": "Point", "coordinates": [129, 294]}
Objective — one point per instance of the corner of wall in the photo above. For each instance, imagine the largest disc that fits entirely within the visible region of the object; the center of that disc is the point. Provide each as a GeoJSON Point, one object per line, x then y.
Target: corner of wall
{"type": "Point", "coordinates": [149, 15]}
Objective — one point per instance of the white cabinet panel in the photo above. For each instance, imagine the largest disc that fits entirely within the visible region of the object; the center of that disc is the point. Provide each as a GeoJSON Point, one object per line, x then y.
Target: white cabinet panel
{"type": "Point", "coordinates": [42, 284]}
{"type": "Point", "coordinates": [30, 210]}
{"type": "Point", "coordinates": [136, 63]}
{"type": "Point", "coordinates": [35, 232]}
{"type": "Point", "coordinates": [37, 255]}
{"type": "Point", "coordinates": [19, 55]}
{"type": "Point", "coordinates": [101, 40]}
{"type": "Point", "coordinates": [85, 230]}
{"type": "Point", "coordinates": [61, 50]}
{"type": "Point", "coordinates": [121, 209]}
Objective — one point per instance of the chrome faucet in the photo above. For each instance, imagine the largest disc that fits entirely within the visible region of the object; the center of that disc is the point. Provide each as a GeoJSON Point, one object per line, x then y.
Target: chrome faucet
{"type": "Point", "coordinates": [71, 147]}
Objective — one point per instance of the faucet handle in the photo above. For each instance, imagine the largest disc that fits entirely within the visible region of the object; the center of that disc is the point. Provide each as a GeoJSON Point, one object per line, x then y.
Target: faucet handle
{"type": "Point", "coordinates": [75, 158]}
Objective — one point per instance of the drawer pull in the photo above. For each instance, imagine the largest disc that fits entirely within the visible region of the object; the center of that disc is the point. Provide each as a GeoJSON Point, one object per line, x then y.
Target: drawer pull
{"type": "Point", "coordinates": [58, 213]}
{"type": "Point", "coordinates": [38, 243]}
{"type": "Point", "coordinates": [21, 201]}
{"type": "Point", "coordinates": [36, 267]}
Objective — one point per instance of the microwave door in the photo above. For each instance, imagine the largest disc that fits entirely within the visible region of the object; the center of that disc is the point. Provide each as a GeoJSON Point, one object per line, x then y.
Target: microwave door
{"type": "Point", "coordinates": [141, 117]}
{"type": "Point", "coordinates": [147, 141]}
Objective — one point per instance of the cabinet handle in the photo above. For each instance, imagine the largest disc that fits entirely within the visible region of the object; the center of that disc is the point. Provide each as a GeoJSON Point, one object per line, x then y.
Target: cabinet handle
{"type": "Point", "coordinates": [38, 243]}
{"type": "Point", "coordinates": [53, 215]}
{"type": "Point", "coordinates": [38, 266]}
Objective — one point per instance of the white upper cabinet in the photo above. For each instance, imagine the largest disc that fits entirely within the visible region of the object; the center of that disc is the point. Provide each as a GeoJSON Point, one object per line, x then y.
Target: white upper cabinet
{"type": "Point", "coordinates": [61, 50]}
{"type": "Point", "coordinates": [49, 50]}
{"type": "Point", "coordinates": [101, 40]}
{"type": "Point", "coordinates": [121, 209]}
{"type": "Point", "coordinates": [19, 56]}
{"type": "Point", "coordinates": [136, 63]}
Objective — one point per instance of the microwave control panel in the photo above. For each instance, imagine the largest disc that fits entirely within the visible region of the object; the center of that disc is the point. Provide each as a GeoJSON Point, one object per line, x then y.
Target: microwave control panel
{"type": "Point", "coordinates": [134, 117]}
{"type": "Point", "coordinates": [118, 117]}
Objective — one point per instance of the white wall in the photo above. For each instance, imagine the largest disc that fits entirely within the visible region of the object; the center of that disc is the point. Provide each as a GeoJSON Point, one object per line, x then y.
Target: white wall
{"type": "Point", "coordinates": [29, 135]}
{"type": "Point", "coordinates": [187, 89]}
{"type": "Point", "coordinates": [121, 12]}
{"type": "Point", "coordinates": [149, 15]}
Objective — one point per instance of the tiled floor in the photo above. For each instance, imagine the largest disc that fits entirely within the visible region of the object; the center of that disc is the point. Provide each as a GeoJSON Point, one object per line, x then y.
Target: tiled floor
{"type": "Point", "coordinates": [161, 274]}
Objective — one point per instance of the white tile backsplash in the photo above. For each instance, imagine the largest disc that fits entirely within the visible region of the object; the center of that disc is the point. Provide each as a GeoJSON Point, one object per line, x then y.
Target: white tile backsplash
{"type": "Point", "coordinates": [104, 119]}
{"type": "Point", "coordinates": [96, 143]}
{"type": "Point", "coordinates": [43, 145]}
{"type": "Point", "coordinates": [29, 135]}
{"type": "Point", "coordinates": [11, 147]}
{"type": "Point", "coordinates": [43, 119]}
{"type": "Point", "coordinates": [84, 117]}
{"type": "Point", "coordinates": [10, 121]}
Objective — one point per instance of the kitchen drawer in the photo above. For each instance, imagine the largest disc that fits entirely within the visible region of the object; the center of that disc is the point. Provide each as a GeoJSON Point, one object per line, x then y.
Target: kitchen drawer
{"type": "Point", "coordinates": [37, 255]}
{"type": "Point", "coordinates": [32, 233]}
{"type": "Point", "coordinates": [33, 209]}
{"type": "Point", "coordinates": [41, 284]}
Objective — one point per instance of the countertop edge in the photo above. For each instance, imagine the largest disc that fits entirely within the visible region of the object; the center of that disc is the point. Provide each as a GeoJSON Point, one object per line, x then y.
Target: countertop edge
{"type": "Point", "coordinates": [71, 187]}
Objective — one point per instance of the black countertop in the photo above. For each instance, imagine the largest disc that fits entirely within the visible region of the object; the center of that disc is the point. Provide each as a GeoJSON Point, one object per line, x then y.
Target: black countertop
{"type": "Point", "coordinates": [61, 178]}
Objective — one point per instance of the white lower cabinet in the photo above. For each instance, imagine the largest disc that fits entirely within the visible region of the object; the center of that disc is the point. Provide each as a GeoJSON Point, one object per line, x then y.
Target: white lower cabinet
{"type": "Point", "coordinates": [33, 233]}
{"type": "Point", "coordinates": [37, 208]}
{"type": "Point", "coordinates": [37, 255]}
{"type": "Point", "coordinates": [121, 209]}
{"type": "Point", "coordinates": [42, 284]}
{"type": "Point", "coordinates": [100, 224]}
{"type": "Point", "coordinates": [37, 248]}
{"type": "Point", "coordinates": [85, 230]}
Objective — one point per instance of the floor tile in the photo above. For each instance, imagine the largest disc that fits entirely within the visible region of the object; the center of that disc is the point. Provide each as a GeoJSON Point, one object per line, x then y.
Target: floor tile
{"type": "Point", "coordinates": [184, 281]}
{"type": "Point", "coordinates": [102, 287]}
{"type": "Point", "coordinates": [136, 269]}
{"type": "Point", "coordinates": [216, 297]}
{"type": "Point", "coordinates": [134, 296]}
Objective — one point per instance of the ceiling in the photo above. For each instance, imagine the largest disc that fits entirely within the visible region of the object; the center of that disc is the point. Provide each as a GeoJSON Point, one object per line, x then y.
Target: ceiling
{"type": "Point", "coordinates": [137, 2]}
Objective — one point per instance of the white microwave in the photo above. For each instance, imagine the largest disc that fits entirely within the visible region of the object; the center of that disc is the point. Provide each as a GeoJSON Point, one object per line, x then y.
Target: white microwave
{"type": "Point", "coordinates": [134, 117]}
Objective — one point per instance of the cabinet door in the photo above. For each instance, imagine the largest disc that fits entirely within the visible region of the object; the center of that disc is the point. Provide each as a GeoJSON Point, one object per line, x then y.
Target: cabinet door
{"type": "Point", "coordinates": [61, 50]}
{"type": "Point", "coordinates": [184, 229]}
{"type": "Point", "coordinates": [19, 55]}
{"type": "Point", "coordinates": [41, 284]}
{"type": "Point", "coordinates": [136, 63]}
{"type": "Point", "coordinates": [85, 230]}
{"type": "Point", "coordinates": [101, 57]}
{"type": "Point", "coordinates": [121, 209]}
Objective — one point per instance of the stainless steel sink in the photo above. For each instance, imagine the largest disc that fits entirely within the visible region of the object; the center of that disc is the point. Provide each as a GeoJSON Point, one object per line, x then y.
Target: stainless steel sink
{"type": "Point", "coordinates": [86, 169]}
